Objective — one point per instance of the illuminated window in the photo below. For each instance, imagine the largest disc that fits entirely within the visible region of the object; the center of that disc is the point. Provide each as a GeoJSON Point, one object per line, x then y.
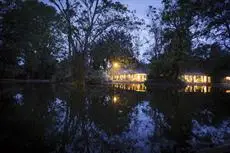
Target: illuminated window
{"type": "Point", "coordinates": [227, 78]}
{"type": "Point", "coordinates": [209, 79]}
{"type": "Point", "coordinates": [138, 77]}
{"type": "Point", "coordinates": [205, 79]}
{"type": "Point", "coordinates": [196, 78]}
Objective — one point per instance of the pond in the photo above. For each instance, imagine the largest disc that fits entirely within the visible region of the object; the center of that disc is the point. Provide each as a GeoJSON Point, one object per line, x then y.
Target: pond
{"type": "Point", "coordinates": [115, 118]}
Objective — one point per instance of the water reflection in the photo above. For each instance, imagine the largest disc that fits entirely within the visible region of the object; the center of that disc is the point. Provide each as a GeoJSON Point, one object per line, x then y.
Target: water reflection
{"type": "Point", "coordinates": [115, 99]}
{"type": "Point", "coordinates": [140, 128]}
{"type": "Point", "coordinates": [139, 87]}
{"type": "Point", "coordinates": [43, 118]}
{"type": "Point", "coordinates": [18, 99]}
{"type": "Point", "coordinates": [213, 134]}
{"type": "Point", "coordinates": [198, 88]}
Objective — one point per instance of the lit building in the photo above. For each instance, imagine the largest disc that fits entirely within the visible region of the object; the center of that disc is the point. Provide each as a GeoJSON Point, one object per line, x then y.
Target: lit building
{"type": "Point", "coordinates": [131, 77]}
{"type": "Point", "coordinates": [196, 78]}
{"type": "Point", "coordinates": [227, 78]}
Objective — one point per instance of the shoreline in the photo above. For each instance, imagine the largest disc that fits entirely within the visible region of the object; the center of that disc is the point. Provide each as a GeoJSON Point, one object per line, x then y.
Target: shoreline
{"type": "Point", "coordinates": [25, 81]}
{"type": "Point", "coordinates": [155, 84]}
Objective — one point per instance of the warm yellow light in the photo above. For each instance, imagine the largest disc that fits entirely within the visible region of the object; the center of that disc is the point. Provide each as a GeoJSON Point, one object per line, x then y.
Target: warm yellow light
{"type": "Point", "coordinates": [138, 78]}
{"type": "Point", "coordinates": [209, 79]}
{"type": "Point", "coordinates": [205, 89]}
{"type": "Point", "coordinates": [115, 99]}
{"type": "Point", "coordinates": [197, 88]}
{"type": "Point", "coordinates": [227, 78]}
{"type": "Point", "coordinates": [196, 78]}
{"type": "Point", "coordinates": [116, 65]}
{"type": "Point", "coordinates": [135, 87]}
{"type": "Point", "coordinates": [205, 78]}
{"type": "Point", "coordinates": [227, 91]}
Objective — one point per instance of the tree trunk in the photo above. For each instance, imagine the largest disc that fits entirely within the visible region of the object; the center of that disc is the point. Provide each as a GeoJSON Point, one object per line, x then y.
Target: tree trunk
{"type": "Point", "coordinates": [78, 69]}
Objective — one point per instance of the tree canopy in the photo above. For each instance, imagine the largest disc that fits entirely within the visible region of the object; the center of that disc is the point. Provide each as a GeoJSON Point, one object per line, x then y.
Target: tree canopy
{"type": "Point", "coordinates": [30, 38]}
{"type": "Point", "coordinates": [185, 32]}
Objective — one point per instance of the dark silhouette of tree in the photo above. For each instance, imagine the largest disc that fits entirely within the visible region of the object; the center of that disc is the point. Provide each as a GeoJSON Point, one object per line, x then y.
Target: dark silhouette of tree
{"type": "Point", "coordinates": [114, 46]}
{"type": "Point", "coordinates": [31, 38]}
{"type": "Point", "coordinates": [184, 26]}
{"type": "Point", "coordinates": [87, 21]}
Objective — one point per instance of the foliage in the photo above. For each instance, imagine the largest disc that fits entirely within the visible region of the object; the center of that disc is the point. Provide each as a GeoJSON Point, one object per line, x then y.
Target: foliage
{"type": "Point", "coordinates": [114, 46]}
{"type": "Point", "coordinates": [212, 20]}
{"type": "Point", "coordinates": [87, 22]}
{"type": "Point", "coordinates": [189, 31]}
{"type": "Point", "coordinates": [173, 41]}
{"type": "Point", "coordinates": [31, 38]}
{"type": "Point", "coordinates": [156, 33]}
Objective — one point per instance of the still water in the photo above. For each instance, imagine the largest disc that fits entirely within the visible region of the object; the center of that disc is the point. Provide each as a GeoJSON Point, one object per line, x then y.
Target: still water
{"type": "Point", "coordinates": [118, 118]}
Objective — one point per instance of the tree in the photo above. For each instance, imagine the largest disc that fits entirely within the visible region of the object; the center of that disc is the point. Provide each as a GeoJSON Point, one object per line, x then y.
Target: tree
{"type": "Point", "coordinates": [31, 34]}
{"type": "Point", "coordinates": [8, 58]}
{"type": "Point", "coordinates": [87, 21]}
{"type": "Point", "coordinates": [172, 43]}
{"type": "Point", "coordinates": [114, 46]}
{"type": "Point", "coordinates": [190, 30]}
{"type": "Point", "coordinates": [156, 32]}
{"type": "Point", "coordinates": [212, 20]}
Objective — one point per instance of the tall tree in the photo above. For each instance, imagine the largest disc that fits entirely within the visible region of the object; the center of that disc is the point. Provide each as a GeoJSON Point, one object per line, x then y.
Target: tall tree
{"type": "Point", "coordinates": [212, 20]}
{"type": "Point", "coordinates": [88, 20]}
{"type": "Point", "coordinates": [156, 33]}
{"type": "Point", "coordinates": [174, 40]}
{"type": "Point", "coordinates": [190, 29]}
{"type": "Point", "coordinates": [31, 34]}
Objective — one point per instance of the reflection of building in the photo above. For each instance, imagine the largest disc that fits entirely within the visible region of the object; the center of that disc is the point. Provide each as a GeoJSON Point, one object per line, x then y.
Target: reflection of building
{"type": "Point", "coordinates": [197, 88]}
{"type": "Point", "coordinates": [134, 87]}
{"type": "Point", "coordinates": [131, 77]}
{"type": "Point", "coordinates": [196, 78]}
{"type": "Point", "coordinates": [227, 79]}
{"type": "Point", "coordinates": [115, 99]}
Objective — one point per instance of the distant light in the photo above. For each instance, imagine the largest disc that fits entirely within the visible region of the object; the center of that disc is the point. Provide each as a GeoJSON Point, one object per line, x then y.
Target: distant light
{"type": "Point", "coordinates": [116, 65]}
{"type": "Point", "coordinates": [198, 88]}
{"type": "Point", "coordinates": [227, 78]}
{"type": "Point", "coordinates": [134, 87]}
{"type": "Point", "coordinates": [196, 78]}
{"type": "Point", "coordinates": [227, 91]}
{"type": "Point", "coordinates": [115, 99]}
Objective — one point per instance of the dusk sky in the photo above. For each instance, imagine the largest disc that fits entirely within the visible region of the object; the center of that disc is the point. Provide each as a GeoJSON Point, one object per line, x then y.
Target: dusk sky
{"type": "Point", "coordinates": [141, 7]}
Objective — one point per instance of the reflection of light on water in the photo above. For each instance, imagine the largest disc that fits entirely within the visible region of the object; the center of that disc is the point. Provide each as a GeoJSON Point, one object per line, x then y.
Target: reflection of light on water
{"type": "Point", "coordinates": [141, 127]}
{"type": "Point", "coordinates": [134, 87]}
{"type": "Point", "coordinates": [145, 124]}
{"type": "Point", "coordinates": [19, 99]}
{"type": "Point", "coordinates": [58, 110]}
{"type": "Point", "coordinates": [115, 99]}
{"type": "Point", "coordinates": [217, 134]}
{"type": "Point", "coordinates": [197, 88]}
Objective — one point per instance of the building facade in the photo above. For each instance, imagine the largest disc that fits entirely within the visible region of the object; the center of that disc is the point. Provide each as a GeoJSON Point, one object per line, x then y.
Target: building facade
{"type": "Point", "coordinates": [131, 77]}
